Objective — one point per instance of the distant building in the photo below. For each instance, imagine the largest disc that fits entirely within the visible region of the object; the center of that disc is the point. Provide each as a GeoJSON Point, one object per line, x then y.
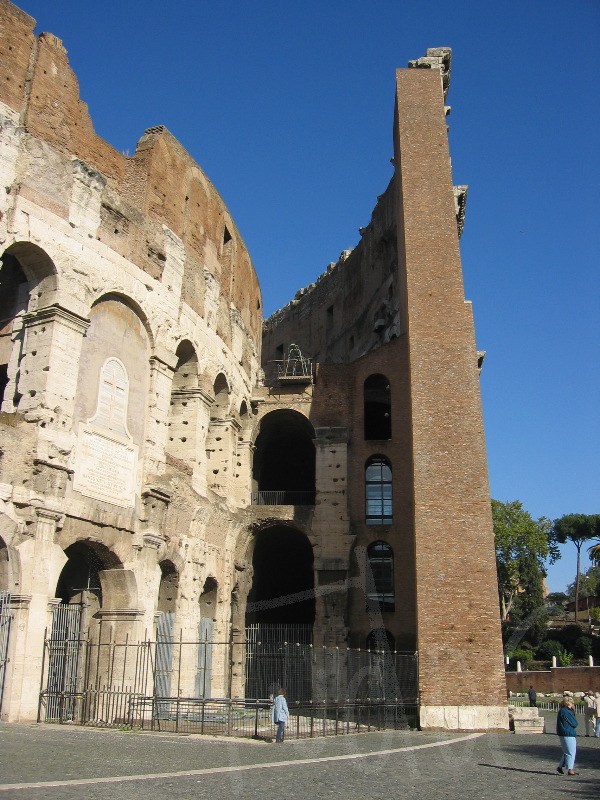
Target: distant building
{"type": "Point", "coordinates": [159, 478]}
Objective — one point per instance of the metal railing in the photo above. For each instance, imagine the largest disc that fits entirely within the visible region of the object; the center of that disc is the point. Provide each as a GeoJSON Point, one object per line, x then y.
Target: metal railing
{"type": "Point", "coordinates": [283, 498]}
{"type": "Point", "coordinates": [247, 718]}
{"type": "Point", "coordinates": [134, 684]}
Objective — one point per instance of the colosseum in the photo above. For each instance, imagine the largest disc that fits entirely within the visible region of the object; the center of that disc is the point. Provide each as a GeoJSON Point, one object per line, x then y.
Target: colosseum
{"type": "Point", "coordinates": [188, 491]}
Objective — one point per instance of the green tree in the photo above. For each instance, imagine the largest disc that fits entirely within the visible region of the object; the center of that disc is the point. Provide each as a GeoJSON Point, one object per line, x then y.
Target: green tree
{"type": "Point", "coordinates": [523, 545]}
{"type": "Point", "coordinates": [594, 553]}
{"type": "Point", "coordinates": [576, 528]}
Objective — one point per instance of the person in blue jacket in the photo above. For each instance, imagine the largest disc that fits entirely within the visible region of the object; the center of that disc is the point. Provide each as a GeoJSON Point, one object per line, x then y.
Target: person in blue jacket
{"type": "Point", "coordinates": [279, 714]}
{"type": "Point", "coordinates": [566, 725]}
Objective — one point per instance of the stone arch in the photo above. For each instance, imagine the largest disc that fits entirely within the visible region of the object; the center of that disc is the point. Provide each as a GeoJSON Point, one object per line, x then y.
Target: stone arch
{"type": "Point", "coordinates": [38, 268]}
{"type": "Point", "coordinates": [283, 470]}
{"type": "Point", "coordinates": [282, 591]}
{"type": "Point", "coordinates": [85, 577]}
{"type": "Point", "coordinates": [221, 392]}
{"type": "Point", "coordinates": [127, 300]}
{"type": "Point", "coordinates": [208, 598]}
{"type": "Point", "coordinates": [168, 589]}
{"type": "Point", "coordinates": [27, 279]}
{"type": "Point", "coordinates": [380, 639]}
{"type": "Point", "coordinates": [184, 423]}
{"type": "Point", "coordinates": [221, 438]}
{"type": "Point", "coordinates": [118, 330]}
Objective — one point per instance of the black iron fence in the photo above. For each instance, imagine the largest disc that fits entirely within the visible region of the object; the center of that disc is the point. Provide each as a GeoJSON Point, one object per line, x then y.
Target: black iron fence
{"type": "Point", "coordinates": [330, 690]}
{"type": "Point", "coordinates": [224, 717]}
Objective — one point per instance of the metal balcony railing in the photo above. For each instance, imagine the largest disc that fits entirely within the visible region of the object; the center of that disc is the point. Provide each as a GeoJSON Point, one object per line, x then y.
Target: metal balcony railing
{"type": "Point", "coordinates": [283, 498]}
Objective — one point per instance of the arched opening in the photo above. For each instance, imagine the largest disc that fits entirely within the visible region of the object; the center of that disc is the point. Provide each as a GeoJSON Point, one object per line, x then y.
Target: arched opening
{"type": "Point", "coordinates": [282, 590]}
{"type": "Point", "coordinates": [14, 298]}
{"type": "Point", "coordinates": [377, 408]}
{"type": "Point", "coordinates": [80, 582]}
{"type": "Point", "coordinates": [169, 588]}
{"type": "Point", "coordinates": [220, 409]}
{"type": "Point", "coordinates": [208, 600]}
{"type": "Point", "coordinates": [280, 613]}
{"type": "Point", "coordinates": [219, 441]}
{"type": "Point", "coordinates": [284, 461]}
{"type": "Point", "coordinates": [381, 641]}
{"type": "Point", "coordinates": [183, 412]}
{"type": "Point", "coordinates": [26, 274]}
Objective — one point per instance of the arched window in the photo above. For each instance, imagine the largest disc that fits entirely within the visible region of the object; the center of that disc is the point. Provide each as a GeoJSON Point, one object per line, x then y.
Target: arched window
{"type": "Point", "coordinates": [378, 491]}
{"type": "Point", "coordinates": [380, 639]}
{"type": "Point", "coordinates": [377, 408]}
{"type": "Point", "coordinates": [380, 577]}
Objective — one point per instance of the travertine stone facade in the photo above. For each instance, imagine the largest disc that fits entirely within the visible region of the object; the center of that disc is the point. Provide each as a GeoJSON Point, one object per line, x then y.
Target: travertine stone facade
{"type": "Point", "coordinates": [150, 461]}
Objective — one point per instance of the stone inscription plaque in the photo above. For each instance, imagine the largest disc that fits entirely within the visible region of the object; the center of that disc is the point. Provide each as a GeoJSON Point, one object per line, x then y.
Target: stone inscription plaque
{"type": "Point", "coordinates": [105, 466]}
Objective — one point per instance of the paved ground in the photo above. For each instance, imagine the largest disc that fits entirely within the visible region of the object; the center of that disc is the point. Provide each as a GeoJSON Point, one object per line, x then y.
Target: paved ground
{"type": "Point", "coordinates": [48, 762]}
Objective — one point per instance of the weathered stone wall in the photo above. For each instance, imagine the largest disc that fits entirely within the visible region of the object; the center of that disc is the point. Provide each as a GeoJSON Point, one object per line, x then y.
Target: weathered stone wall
{"type": "Point", "coordinates": [119, 272]}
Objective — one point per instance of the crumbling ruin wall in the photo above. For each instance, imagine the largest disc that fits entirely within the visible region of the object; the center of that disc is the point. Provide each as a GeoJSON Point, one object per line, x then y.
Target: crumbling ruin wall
{"type": "Point", "coordinates": [130, 345]}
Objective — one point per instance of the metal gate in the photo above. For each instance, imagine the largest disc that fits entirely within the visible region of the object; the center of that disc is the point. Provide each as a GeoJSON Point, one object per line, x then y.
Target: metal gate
{"type": "Point", "coordinates": [279, 656]}
{"type": "Point", "coordinates": [5, 618]}
{"type": "Point", "coordinates": [63, 661]}
{"type": "Point", "coordinates": [204, 667]}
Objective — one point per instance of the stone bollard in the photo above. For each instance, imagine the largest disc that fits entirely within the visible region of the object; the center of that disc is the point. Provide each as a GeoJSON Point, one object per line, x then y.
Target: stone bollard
{"type": "Point", "coordinates": [553, 661]}
{"type": "Point", "coordinates": [591, 661]}
{"type": "Point", "coordinates": [519, 667]}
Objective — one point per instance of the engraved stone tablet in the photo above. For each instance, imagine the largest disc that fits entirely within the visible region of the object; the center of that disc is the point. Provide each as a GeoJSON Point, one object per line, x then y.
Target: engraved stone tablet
{"type": "Point", "coordinates": [106, 458]}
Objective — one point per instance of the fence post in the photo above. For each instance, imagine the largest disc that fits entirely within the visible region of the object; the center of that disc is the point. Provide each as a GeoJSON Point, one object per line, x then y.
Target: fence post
{"type": "Point", "coordinates": [256, 719]}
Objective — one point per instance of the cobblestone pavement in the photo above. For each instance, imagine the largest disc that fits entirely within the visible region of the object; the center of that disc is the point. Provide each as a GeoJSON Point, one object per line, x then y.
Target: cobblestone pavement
{"type": "Point", "coordinates": [91, 763]}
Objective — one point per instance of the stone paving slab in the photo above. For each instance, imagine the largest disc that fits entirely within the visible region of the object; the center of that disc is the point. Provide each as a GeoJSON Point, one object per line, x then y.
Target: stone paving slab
{"type": "Point", "coordinates": [87, 763]}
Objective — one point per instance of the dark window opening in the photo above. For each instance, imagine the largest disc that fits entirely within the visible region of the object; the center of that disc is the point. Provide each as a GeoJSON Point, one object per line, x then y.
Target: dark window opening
{"type": "Point", "coordinates": [279, 352]}
{"type": "Point", "coordinates": [329, 320]}
{"type": "Point", "coordinates": [381, 640]}
{"type": "Point", "coordinates": [283, 577]}
{"type": "Point", "coordinates": [226, 235]}
{"type": "Point", "coordinates": [378, 491]}
{"type": "Point", "coordinates": [380, 577]}
{"type": "Point", "coordinates": [377, 408]}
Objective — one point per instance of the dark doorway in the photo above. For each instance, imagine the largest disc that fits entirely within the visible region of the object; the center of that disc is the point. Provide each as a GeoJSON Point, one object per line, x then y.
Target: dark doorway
{"type": "Point", "coordinates": [284, 462]}
{"type": "Point", "coordinates": [283, 567]}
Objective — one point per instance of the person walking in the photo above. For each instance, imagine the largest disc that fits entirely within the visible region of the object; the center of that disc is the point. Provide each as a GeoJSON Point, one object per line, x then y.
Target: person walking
{"type": "Point", "coordinates": [566, 726]}
{"type": "Point", "coordinates": [589, 711]}
{"type": "Point", "coordinates": [279, 714]}
{"type": "Point", "coordinates": [597, 716]}
{"type": "Point", "coordinates": [532, 697]}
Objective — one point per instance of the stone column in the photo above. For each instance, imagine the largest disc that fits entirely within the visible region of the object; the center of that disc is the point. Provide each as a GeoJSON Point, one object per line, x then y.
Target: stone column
{"type": "Point", "coordinates": [242, 476]}
{"type": "Point", "coordinates": [221, 448]}
{"type": "Point", "coordinates": [162, 367]}
{"type": "Point", "coordinates": [331, 526]}
{"type": "Point", "coordinates": [33, 614]}
{"type": "Point", "coordinates": [49, 362]}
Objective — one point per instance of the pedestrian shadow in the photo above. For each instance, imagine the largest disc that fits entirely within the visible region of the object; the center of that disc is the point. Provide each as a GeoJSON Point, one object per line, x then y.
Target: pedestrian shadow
{"type": "Point", "coordinates": [584, 787]}
{"type": "Point", "coordinates": [517, 769]}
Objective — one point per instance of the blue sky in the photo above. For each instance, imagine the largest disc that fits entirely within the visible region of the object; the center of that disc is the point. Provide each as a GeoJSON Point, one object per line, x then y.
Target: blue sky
{"type": "Point", "coordinates": [288, 108]}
